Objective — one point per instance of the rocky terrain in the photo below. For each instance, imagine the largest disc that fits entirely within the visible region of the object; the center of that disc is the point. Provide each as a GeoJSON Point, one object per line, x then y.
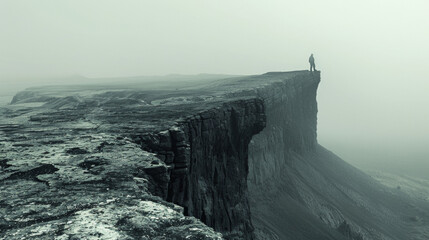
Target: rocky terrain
{"type": "Point", "coordinates": [220, 158]}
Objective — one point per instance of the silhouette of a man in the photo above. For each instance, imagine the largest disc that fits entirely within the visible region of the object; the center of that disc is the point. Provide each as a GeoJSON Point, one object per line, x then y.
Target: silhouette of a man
{"type": "Point", "coordinates": [312, 64]}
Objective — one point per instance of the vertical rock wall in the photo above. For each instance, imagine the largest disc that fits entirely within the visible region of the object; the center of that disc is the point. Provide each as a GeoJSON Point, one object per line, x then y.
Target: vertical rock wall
{"type": "Point", "coordinates": [210, 153]}
{"type": "Point", "coordinates": [207, 154]}
{"type": "Point", "coordinates": [291, 111]}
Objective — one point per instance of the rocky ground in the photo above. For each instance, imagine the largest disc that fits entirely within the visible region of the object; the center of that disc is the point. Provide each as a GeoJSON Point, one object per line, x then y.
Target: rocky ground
{"type": "Point", "coordinates": [63, 178]}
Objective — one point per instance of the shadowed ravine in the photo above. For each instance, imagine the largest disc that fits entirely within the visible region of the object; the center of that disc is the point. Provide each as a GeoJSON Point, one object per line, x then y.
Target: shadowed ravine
{"type": "Point", "coordinates": [237, 156]}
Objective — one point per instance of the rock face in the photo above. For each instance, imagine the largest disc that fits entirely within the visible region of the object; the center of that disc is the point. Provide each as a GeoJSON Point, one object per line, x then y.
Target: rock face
{"type": "Point", "coordinates": [215, 151]}
{"type": "Point", "coordinates": [291, 111]}
{"type": "Point", "coordinates": [207, 155]}
{"type": "Point", "coordinates": [203, 160]}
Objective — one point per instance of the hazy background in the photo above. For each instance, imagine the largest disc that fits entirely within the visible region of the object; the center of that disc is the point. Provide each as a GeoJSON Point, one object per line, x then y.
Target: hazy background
{"type": "Point", "coordinates": [373, 98]}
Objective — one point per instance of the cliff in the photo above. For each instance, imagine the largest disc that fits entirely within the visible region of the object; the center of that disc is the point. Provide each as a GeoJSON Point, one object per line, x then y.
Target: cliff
{"type": "Point", "coordinates": [300, 190]}
{"type": "Point", "coordinates": [233, 158]}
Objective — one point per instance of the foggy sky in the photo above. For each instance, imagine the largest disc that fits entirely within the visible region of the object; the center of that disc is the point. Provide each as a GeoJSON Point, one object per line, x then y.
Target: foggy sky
{"type": "Point", "coordinates": [373, 98]}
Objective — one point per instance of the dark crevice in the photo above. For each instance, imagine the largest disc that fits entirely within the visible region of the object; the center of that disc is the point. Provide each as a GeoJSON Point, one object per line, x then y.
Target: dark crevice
{"type": "Point", "coordinates": [76, 151]}
{"type": "Point", "coordinates": [4, 164]}
{"type": "Point", "coordinates": [33, 173]}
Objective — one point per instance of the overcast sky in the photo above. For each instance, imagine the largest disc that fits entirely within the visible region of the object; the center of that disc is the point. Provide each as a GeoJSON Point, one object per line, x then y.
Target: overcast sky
{"type": "Point", "coordinates": [373, 99]}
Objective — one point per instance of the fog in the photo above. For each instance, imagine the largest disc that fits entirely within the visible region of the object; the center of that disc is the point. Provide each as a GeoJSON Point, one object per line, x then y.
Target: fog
{"type": "Point", "coordinates": [373, 98]}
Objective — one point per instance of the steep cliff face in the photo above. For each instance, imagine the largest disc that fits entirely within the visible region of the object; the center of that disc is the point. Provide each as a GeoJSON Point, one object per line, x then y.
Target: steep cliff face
{"type": "Point", "coordinates": [291, 111]}
{"type": "Point", "coordinates": [209, 151]}
{"type": "Point", "coordinates": [215, 189]}
{"type": "Point", "coordinates": [208, 157]}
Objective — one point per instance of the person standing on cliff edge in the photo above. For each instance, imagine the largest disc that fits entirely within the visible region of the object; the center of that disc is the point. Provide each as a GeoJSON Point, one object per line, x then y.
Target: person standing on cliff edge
{"type": "Point", "coordinates": [312, 64]}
